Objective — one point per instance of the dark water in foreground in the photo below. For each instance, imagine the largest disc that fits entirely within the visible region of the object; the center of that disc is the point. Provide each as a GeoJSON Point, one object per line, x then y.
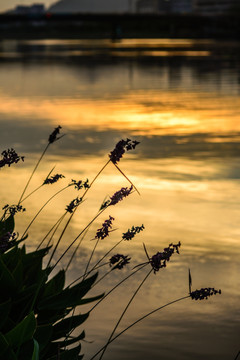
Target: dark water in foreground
{"type": "Point", "coordinates": [181, 101]}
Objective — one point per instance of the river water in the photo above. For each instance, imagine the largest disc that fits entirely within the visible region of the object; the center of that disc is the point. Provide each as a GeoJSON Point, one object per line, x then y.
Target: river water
{"type": "Point", "coordinates": [180, 99]}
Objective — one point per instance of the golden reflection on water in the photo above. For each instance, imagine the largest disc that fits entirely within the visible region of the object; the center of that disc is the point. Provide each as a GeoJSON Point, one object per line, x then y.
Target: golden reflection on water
{"type": "Point", "coordinates": [177, 112]}
{"type": "Point", "coordinates": [194, 199]}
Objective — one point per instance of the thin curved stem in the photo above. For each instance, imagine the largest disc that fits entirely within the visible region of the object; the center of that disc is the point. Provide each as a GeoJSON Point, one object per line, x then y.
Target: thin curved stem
{"type": "Point", "coordinates": [69, 220]}
{"type": "Point", "coordinates": [38, 186]}
{"type": "Point", "coordinates": [126, 178]}
{"type": "Point", "coordinates": [237, 355]}
{"type": "Point", "coordinates": [96, 266]}
{"type": "Point", "coordinates": [80, 277]}
{"type": "Point", "coordinates": [90, 258]}
{"type": "Point", "coordinates": [56, 224]}
{"type": "Point", "coordinates": [116, 286]}
{"type": "Point", "coordinates": [33, 172]}
{"type": "Point", "coordinates": [97, 176]}
{"type": "Point", "coordinates": [73, 242]}
{"type": "Point", "coordinates": [31, 193]}
{"type": "Point", "coordinates": [144, 317]}
{"type": "Point", "coordinates": [101, 259]}
{"type": "Point", "coordinates": [124, 311]}
{"type": "Point", "coordinates": [103, 277]}
{"type": "Point", "coordinates": [34, 218]}
{"type": "Point", "coordinates": [76, 249]}
{"type": "Point", "coordinates": [58, 242]}
{"type": "Point", "coordinates": [56, 228]}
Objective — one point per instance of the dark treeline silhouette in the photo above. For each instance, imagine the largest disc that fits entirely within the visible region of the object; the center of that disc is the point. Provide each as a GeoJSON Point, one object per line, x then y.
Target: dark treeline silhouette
{"type": "Point", "coordinates": [131, 25]}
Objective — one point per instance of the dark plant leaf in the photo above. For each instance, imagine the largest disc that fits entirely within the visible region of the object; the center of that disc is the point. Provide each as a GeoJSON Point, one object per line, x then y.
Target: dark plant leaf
{"type": "Point", "coordinates": [43, 335]}
{"type": "Point", "coordinates": [11, 257]}
{"type": "Point", "coordinates": [7, 282]}
{"type": "Point", "coordinates": [6, 351]}
{"type": "Point", "coordinates": [63, 328]}
{"type": "Point", "coordinates": [35, 355]}
{"type": "Point", "coordinates": [17, 274]}
{"type": "Point", "coordinates": [71, 341]}
{"type": "Point", "coordinates": [7, 225]}
{"type": "Point", "coordinates": [50, 316]}
{"type": "Point", "coordinates": [4, 311]}
{"type": "Point", "coordinates": [22, 332]}
{"type": "Point", "coordinates": [72, 354]}
{"type": "Point", "coordinates": [69, 297]}
{"type": "Point", "coordinates": [189, 281]}
{"type": "Point", "coordinates": [55, 285]}
{"type": "Point", "coordinates": [91, 299]}
{"type": "Point", "coordinates": [25, 351]}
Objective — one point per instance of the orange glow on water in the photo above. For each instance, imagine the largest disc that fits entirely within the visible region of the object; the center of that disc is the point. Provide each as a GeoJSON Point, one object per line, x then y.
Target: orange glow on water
{"type": "Point", "coordinates": [168, 113]}
{"type": "Point", "coordinates": [186, 168]}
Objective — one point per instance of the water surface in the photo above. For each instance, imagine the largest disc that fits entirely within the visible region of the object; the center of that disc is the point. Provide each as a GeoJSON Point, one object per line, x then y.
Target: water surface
{"type": "Point", "coordinates": [180, 99]}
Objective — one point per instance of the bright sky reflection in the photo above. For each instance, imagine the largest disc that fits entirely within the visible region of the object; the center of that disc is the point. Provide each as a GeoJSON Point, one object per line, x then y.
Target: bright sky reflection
{"type": "Point", "coordinates": [185, 113]}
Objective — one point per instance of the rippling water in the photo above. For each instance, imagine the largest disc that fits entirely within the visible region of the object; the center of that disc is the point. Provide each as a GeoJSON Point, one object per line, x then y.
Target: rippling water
{"type": "Point", "coordinates": [180, 99]}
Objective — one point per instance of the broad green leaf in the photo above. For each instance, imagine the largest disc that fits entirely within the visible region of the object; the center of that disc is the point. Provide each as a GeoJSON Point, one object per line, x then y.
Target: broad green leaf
{"type": "Point", "coordinates": [17, 274]}
{"type": "Point", "coordinates": [23, 302]}
{"type": "Point", "coordinates": [6, 281]}
{"type": "Point", "coordinates": [11, 257]}
{"type": "Point", "coordinates": [63, 328]}
{"type": "Point", "coordinates": [91, 299]}
{"type": "Point", "coordinates": [71, 341]}
{"type": "Point", "coordinates": [50, 316]}
{"type": "Point", "coordinates": [4, 311]}
{"type": "Point", "coordinates": [35, 355]}
{"type": "Point", "coordinates": [38, 254]}
{"type": "Point", "coordinates": [32, 267]}
{"type": "Point", "coordinates": [72, 354]}
{"type": "Point", "coordinates": [4, 345]}
{"type": "Point", "coordinates": [7, 225]}
{"type": "Point", "coordinates": [55, 285]}
{"type": "Point", "coordinates": [22, 332]}
{"type": "Point", "coordinates": [43, 335]}
{"type": "Point", "coordinates": [69, 297]}
{"type": "Point", "coordinates": [5, 350]}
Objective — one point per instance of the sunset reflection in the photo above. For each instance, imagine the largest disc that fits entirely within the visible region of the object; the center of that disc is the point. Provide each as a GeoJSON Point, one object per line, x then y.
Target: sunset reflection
{"type": "Point", "coordinates": [184, 111]}
{"type": "Point", "coordinates": [169, 113]}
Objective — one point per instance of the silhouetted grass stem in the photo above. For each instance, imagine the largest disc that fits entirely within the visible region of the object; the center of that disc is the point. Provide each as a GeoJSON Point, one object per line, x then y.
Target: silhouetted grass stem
{"type": "Point", "coordinates": [123, 313]}
{"type": "Point", "coordinates": [116, 286]}
{"type": "Point", "coordinates": [70, 218]}
{"type": "Point", "coordinates": [126, 178]}
{"type": "Point", "coordinates": [142, 318]}
{"type": "Point", "coordinates": [73, 242]}
{"type": "Point", "coordinates": [33, 172]}
{"type": "Point", "coordinates": [47, 202]}
{"type": "Point", "coordinates": [49, 232]}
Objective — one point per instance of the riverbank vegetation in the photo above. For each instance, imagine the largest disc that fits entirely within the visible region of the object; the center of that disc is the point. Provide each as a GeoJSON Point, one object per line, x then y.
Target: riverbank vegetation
{"type": "Point", "coordinates": [41, 316]}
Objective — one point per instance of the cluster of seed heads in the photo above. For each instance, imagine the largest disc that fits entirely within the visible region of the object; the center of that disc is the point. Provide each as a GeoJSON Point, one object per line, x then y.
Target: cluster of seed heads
{"type": "Point", "coordinates": [118, 261]}
{"type": "Point", "coordinates": [204, 293]}
{"type": "Point", "coordinates": [10, 157]}
{"type": "Point", "coordinates": [120, 148]}
{"type": "Point", "coordinates": [103, 232]}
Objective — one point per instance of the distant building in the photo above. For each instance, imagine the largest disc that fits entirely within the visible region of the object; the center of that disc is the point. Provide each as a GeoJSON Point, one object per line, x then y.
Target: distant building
{"type": "Point", "coordinates": [181, 6]}
{"type": "Point", "coordinates": [147, 6]}
{"type": "Point", "coordinates": [164, 6]}
{"type": "Point", "coordinates": [32, 9]}
{"type": "Point", "coordinates": [93, 6]}
{"type": "Point", "coordinates": [215, 7]}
